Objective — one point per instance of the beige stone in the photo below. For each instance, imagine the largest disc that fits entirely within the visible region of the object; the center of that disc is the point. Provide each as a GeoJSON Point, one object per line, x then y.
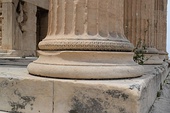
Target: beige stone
{"type": "Point", "coordinates": [139, 25]}
{"type": "Point", "coordinates": [80, 36]}
{"type": "Point", "coordinates": [160, 24]}
{"type": "Point", "coordinates": [86, 65]}
{"type": "Point", "coordinates": [82, 96]}
{"type": "Point", "coordinates": [19, 28]}
{"type": "Point", "coordinates": [139, 21]}
{"type": "Point", "coordinates": [40, 3]}
{"type": "Point", "coordinates": [20, 93]}
{"type": "Point", "coordinates": [152, 57]}
{"type": "Point", "coordinates": [163, 55]}
{"type": "Point", "coordinates": [146, 20]}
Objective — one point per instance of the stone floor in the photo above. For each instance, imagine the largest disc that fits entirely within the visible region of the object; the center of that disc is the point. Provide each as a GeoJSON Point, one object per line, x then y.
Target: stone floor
{"type": "Point", "coordinates": [162, 103]}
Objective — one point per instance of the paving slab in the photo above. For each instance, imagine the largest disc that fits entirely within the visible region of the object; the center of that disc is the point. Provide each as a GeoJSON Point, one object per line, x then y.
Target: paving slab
{"type": "Point", "coordinates": [162, 103]}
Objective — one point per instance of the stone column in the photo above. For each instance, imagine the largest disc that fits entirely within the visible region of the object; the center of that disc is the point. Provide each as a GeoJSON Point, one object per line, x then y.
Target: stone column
{"type": "Point", "coordinates": [160, 27]}
{"type": "Point", "coordinates": [86, 41]}
{"type": "Point", "coordinates": [139, 26]}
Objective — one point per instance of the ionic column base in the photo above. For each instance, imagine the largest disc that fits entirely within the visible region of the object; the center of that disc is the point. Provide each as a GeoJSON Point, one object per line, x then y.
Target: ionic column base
{"type": "Point", "coordinates": [152, 57]}
{"type": "Point", "coordinates": [86, 65]}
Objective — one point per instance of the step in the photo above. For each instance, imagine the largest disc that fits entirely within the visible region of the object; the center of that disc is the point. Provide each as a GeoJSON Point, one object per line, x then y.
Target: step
{"type": "Point", "coordinates": [3, 112]}
{"type": "Point", "coordinates": [16, 61]}
{"type": "Point", "coordinates": [21, 92]}
{"type": "Point", "coordinates": [3, 51]}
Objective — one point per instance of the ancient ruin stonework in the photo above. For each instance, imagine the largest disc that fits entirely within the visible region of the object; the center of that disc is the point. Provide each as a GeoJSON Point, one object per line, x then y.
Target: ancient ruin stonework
{"type": "Point", "coordinates": [19, 28]}
{"type": "Point", "coordinates": [80, 36]}
{"type": "Point", "coordinates": [82, 25]}
{"type": "Point", "coordinates": [141, 23]}
{"type": "Point", "coordinates": [86, 62]}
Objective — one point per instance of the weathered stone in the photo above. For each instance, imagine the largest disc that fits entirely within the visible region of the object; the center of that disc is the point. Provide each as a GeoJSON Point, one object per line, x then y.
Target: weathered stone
{"type": "Point", "coordinates": [18, 28]}
{"type": "Point", "coordinates": [21, 94]}
{"type": "Point", "coordinates": [140, 24]}
{"type": "Point", "coordinates": [160, 24]}
{"type": "Point", "coordinates": [79, 34]}
{"type": "Point", "coordinates": [79, 96]}
{"type": "Point", "coordinates": [163, 55]}
{"type": "Point", "coordinates": [161, 104]}
{"type": "Point", "coordinates": [152, 57]}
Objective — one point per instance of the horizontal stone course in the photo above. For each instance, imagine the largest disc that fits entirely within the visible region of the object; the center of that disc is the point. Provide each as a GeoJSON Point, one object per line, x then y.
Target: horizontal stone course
{"type": "Point", "coordinates": [24, 93]}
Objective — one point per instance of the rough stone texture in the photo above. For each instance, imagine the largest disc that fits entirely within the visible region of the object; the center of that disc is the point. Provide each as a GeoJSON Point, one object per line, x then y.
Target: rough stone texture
{"type": "Point", "coordinates": [32, 93]}
{"type": "Point", "coordinates": [18, 28]}
{"type": "Point", "coordinates": [162, 102]}
{"type": "Point", "coordinates": [152, 57]}
{"type": "Point", "coordinates": [21, 93]}
{"type": "Point", "coordinates": [28, 27]}
{"type": "Point", "coordinates": [118, 96]}
{"type": "Point", "coordinates": [16, 61]}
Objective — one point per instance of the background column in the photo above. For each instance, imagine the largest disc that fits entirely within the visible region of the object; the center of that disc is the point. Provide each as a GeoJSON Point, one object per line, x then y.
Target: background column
{"type": "Point", "coordinates": [160, 27]}
{"type": "Point", "coordinates": [139, 25]}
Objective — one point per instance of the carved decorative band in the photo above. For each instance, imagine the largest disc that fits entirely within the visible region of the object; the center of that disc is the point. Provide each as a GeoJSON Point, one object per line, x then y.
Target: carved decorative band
{"type": "Point", "coordinates": [85, 45]}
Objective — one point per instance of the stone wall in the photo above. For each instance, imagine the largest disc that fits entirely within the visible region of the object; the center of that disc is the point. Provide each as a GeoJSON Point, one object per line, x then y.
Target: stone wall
{"type": "Point", "coordinates": [23, 27]}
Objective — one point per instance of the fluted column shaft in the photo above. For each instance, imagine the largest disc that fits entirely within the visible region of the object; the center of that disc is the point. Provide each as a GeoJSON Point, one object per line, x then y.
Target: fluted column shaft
{"type": "Point", "coordinates": [86, 25]}
{"type": "Point", "coordinates": [160, 27]}
{"type": "Point", "coordinates": [139, 21]}
{"type": "Point", "coordinates": [146, 20]}
{"type": "Point", "coordinates": [160, 24]}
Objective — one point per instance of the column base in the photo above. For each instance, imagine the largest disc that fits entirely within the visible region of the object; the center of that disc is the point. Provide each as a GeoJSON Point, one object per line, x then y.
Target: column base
{"type": "Point", "coordinates": [85, 65]}
{"type": "Point", "coordinates": [163, 55]}
{"type": "Point", "coordinates": [152, 57]}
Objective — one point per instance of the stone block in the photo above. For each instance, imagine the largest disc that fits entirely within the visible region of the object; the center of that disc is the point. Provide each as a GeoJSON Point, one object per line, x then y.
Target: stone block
{"type": "Point", "coordinates": [109, 96]}
{"type": "Point", "coordinates": [24, 94]}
